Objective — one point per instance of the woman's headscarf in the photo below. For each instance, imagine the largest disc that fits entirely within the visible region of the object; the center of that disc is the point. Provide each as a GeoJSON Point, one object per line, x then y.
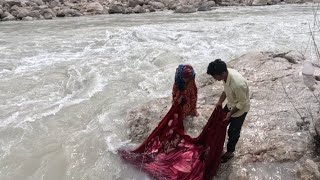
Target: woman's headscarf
{"type": "Point", "coordinates": [183, 71]}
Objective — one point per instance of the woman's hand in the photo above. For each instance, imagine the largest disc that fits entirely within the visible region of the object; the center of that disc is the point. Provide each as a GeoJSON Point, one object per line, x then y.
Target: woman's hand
{"type": "Point", "coordinates": [196, 113]}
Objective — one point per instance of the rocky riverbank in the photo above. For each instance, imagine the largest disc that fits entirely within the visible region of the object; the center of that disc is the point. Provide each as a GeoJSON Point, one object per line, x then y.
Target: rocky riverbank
{"type": "Point", "coordinates": [277, 137]}
{"type": "Point", "coordinates": [49, 9]}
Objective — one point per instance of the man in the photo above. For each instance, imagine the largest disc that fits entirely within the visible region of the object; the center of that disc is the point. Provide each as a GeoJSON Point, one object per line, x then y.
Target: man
{"type": "Point", "coordinates": [236, 91]}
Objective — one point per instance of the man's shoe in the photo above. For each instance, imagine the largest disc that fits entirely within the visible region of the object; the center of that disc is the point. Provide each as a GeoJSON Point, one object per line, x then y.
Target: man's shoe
{"type": "Point", "coordinates": [226, 156]}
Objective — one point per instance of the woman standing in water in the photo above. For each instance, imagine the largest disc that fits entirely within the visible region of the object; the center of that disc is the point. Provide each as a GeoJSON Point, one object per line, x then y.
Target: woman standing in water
{"type": "Point", "coordinates": [185, 93]}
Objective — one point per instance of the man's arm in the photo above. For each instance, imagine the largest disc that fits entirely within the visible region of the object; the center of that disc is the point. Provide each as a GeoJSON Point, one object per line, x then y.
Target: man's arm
{"type": "Point", "coordinates": [221, 99]}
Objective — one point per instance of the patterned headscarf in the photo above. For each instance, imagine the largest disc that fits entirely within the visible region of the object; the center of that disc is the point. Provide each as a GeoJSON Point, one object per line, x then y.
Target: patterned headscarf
{"type": "Point", "coordinates": [183, 71]}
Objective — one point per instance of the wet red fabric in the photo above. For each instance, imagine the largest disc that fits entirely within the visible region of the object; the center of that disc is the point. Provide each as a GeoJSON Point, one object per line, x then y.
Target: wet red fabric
{"type": "Point", "coordinates": [168, 153]}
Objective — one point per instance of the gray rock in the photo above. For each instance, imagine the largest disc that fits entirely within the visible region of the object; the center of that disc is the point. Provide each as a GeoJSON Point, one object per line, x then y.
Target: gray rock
{"type": "Point", "coordinates": [205, 6]}
{"type": "Point", "coordinates": [47, 15]}
{"type": "Point", "coordinates": [38, 2]}
{"type": "Point", "coordinates": [185, 9]}
{"type": "Point", "coordinates": [54, 3]}
{"type": "Point", "coordinates": [139, 9]}
{"type": "Point", "coordinates": [28, 18]}
{"type": "Point", "coordinates": [308, 171]}
{"type": "Point", "coordinates": [172, 5]}
{"type": "Point", "coordinates": [259, 2]}
{"type": "Point", "coordinates": [13, 2]}
{"type": "Point", "coordinates": [128, 10]}
{"type": "Point", "coordinates": [157, 5]}
{"type": "Point", "coordinates": [35, 14]}
{"type": "Point", "coordinates": [116, 9]}
{"type": "Point", "coordinates": [23, 13]}
{"type": "Point", "coordinates": [95, 8]}
{"type": "Point", "coordinates": [67, 12]}
{"type": "Point", "coordinates": [14, 13]}
{"type": "Point", "coordinates": [134, 3]}
{"type": "Point", "coordinates": [47, 11]}
{"type": "Point", "coordinates": [8, 17]}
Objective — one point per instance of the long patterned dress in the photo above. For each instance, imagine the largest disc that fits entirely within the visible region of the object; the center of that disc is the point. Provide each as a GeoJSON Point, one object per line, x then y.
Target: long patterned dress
{"type": "Point", "coordinates": [190, 96]}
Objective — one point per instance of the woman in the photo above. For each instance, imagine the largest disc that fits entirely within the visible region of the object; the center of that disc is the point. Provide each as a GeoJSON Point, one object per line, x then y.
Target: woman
{"type": "Point", "coordinates": [185, 93]}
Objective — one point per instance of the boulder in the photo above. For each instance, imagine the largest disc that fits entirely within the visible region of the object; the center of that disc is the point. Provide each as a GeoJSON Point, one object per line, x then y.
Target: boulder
{"type": "Point", "coordinates": [134, 3]}
{"type": "Point", "coordinates": [157, 5]}
{"type": "Point", "coordinates": [259, 2]}
{"type": "Point", "coordinates": [95, 8]}
{"type": "Point", "coordinates": [205, 6]}
{"type": "Point", "coordinates": [139, 9]}
{"type": "Point", "coordinates": [8, 17]}
{"type": "Point", "coordinates": [116, 9]}
{"type": "Point", "coordinates": [185, 9]}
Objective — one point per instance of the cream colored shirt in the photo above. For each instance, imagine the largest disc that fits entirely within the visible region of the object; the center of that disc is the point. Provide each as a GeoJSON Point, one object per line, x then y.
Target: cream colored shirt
{"type": "Point", "coordinates": [237, 92]}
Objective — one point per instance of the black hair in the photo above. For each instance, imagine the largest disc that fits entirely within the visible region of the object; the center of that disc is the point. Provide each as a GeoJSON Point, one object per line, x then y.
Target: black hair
{"type": "Point", "coordinates": [217, 67]}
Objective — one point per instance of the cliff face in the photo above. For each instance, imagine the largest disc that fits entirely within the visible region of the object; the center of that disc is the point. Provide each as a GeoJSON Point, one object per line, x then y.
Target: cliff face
{"type": "Point", "coordinates": [48, 9]}
{"type": "Point", "coordinates": [277, 137]}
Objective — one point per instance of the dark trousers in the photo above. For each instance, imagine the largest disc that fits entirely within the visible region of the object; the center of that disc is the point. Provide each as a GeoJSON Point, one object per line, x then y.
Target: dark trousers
{"type": "Point", "coordinates": [234, 130]}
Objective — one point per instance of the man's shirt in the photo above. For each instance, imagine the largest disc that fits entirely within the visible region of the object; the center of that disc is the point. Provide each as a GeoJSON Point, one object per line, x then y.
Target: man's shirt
{"type": "Point", "coordinates": [237, 92]}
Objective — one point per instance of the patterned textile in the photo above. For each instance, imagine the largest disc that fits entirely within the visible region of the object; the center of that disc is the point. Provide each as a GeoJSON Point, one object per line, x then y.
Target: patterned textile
{"type": "Point", "coordinates": [169, 154]}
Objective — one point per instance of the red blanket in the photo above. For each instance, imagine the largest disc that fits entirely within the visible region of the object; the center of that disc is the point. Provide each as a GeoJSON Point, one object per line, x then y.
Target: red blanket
{"type": "Point", "coordinates": [168, 153]}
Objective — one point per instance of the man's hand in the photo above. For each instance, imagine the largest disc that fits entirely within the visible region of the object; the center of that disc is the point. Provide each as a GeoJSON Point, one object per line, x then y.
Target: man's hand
{"type": "Point", "coordinates": [219, 104]}
{"type": "Point", "coordinates": [227, 117]}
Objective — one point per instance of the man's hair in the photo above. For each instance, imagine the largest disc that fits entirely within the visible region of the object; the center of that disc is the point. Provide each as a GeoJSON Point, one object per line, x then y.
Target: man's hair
{"type": "Point", "coordinates": [217, 67]}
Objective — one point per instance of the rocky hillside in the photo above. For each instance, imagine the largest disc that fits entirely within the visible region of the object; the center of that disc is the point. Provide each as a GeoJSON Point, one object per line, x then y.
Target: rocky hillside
{"type": "Point", "coordinates": [277, 137]}
{"type": "Point", "coordinates": [48, 9]}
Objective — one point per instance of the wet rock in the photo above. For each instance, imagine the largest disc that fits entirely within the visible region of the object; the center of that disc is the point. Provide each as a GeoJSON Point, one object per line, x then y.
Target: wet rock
{"type": "Point", "coordinates": [95, 8]}
{"type": "Point", "coordinates": [206, 6]}
{"type": "Point", "coordinates": [22, 12]}
{"type": "Point", "coordinates": [259, 2]}
{"type": "Point", "coordinates": [139, 9]}
{"type": "Point", "coordinates": [185, 9]}
{"type": "Point", "coordinates": [47, 13]}
{"type": "Point", "coordinates": [28, 18]}
{"type": "Point", "coordinates": [8, 17]}
{"type": "Point", "coordinates": [116, 9]}
{"type": "Point", "coordinates": [1, 13]}
{"type": "Point", "coordinates": [134, 3]}
{"type": "Point", "coordinates": [35, 14]}
{"type": "Point", "coordinates": [67, 12]}
{"type": "Point", "coordinates": [157, 5]}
